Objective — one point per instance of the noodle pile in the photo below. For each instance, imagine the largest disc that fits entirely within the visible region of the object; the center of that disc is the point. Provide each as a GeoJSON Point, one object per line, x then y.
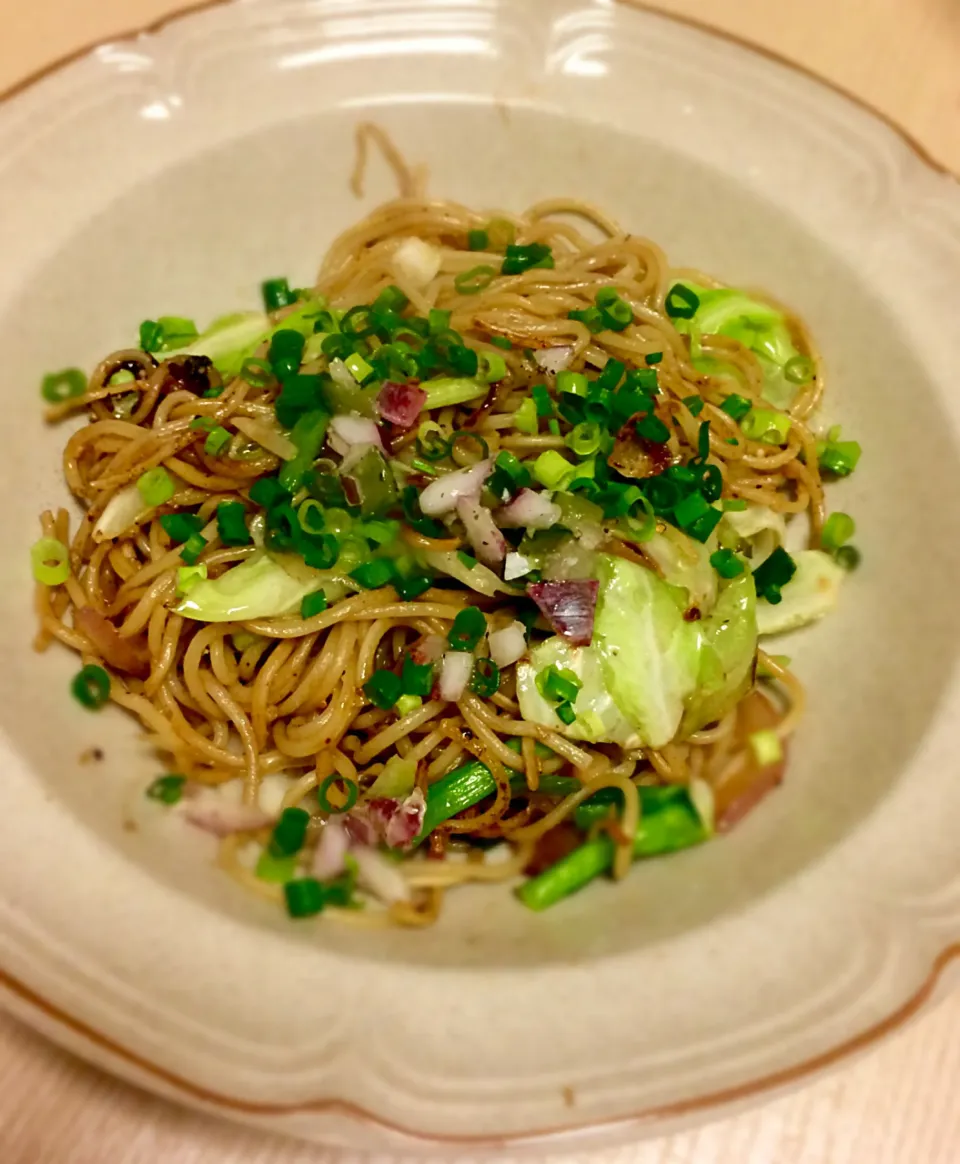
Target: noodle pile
{"type": "Point", "coordinates": [231, 701]}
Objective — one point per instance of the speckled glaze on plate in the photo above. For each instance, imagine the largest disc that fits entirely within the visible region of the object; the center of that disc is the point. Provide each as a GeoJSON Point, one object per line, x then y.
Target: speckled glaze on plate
{"type": "Point", "coordinates": [173, 171]}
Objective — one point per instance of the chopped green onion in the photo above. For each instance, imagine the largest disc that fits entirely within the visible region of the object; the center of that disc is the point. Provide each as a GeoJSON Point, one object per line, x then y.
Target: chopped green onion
{"type": "Point", "coordinates": [591, 317]}
{"type": "Point", "coordinates": [799, 370]}
{"type": "Point", "coordinates": [726, 563]}
{"type": "Point", "coordinates": [575, 383]}
{"type": "Point", "coordinates": [285, 352]}
{"type": "Point", "coordinates": [694, 404]}
{"type": "Point", "coordinates": [522, 258]}
{"type": "Point", "coordinates": [276, 870]}
{"type": "Point", "coordinates": [525, 419]}
{"type": "Point", "coordinates": [431, 442]}
{"type": "Point", "coordinates": [446, 391]}
{"type": "Point", "coordinates": [424, 467]}
{"type": "Point", "coordinates": [848, 557]}
{"type": "Point", "coordinates": [311, 518]}
{"type": "Point", "coordinates": [380, 531]}
{"type": "Point", "coordinates": [217, 441]}
{"type": "Point", "coordinates": [839, 457]}
{"type": "Point", "coordinates": [232, 524]}
{"type": "Point", "coordinates": [541, 398]}
{"type": "Point", "coordinates": [390, 299]}
{"type": "Point", "coordinates": [493, 367]}
{"type": "Point", "coordinates": [383, 689]}
{"type": "Point", "coordinates": [654, 357]}
{"type": "Point", "coordinates": [584, 438]}
{"type": "Point", "coordinates": [324, 552]}
{"type": "Point", "coordinates": [59, 386]}
{"type": "Point", "coordinates": [305, 897]}
{"type": "Point", "coordinates": [475, 280]}
{"type": "Point", "coordinates": [705, 524]}
{"type": "Point", "coordinates": [181, 526]}
{"type": "Point", "coordinates": [485, 680]}
{"type": "Point", "coordinates": [766, 425]}
{"type": "Point", "coordinates": [374, 574]}
{"type": "Point", "coordinates": [466, 559]}
{"type": "Point", "coordinates": [652, 428]}
{"type": "Point", "coordinates": [416, 678]}
{"type": "Point", "coordinates": [289, 832]}
{"type": "Point", "coordinates": [477, 240]}
{"type": "Point", "coordinates": [413, 587]}
{"type": "Point", "coordinates": [193, 547]}
{"type": "Point", "coordinates": [313, 604]}
{"type": "Point", "coordinates": [189, 576]}
{"type": "Point", "coordinates": [565, 713]}
{"type": "Point", "coordinates": [736, 406]}
{"type": "Point", "coordinates": [500, 233]}
{"type": "Point", "coordinates": [347, 788]}
{"type": "Point", "coordinates": [203, 423]}
{"type": "Point", "coordinates": [616, 312]}
{"type": "Point", "coordinates": [438, 320]}
{"type": "Point", "coordinates": [558, 684]}
{"type": "Point", "coordinates": [681, 302]}
{"type": "Point", "coordinates": [276, 294]}
{"type": "Point", "coordinates": [500, 341]}
{"type": "Point", "coordinates": [838, 529]}
{"type": "Point", "coordinates": [552, 470]}
{"type": "Point", "coordinates": [408, 703]}
{"type": "Point", "coordinates": [156, 486]}
{"type": "Point", "coordinates": [774, 573]}
{"type": "Point", "coordinates": [468, 629]}
{"type": "Point", "coordinates": [766, 747]}
{"type": "Point", "coordinates": [734, 504]}
{"type": "Point", "coordinates": [553, 427]}
{"type": "Point", "coordinates": [167, 789]}
{"type": "Point", "coordinates": [91, 687]}
{"type": "Point", "coordinates": [50, 560]}
{"type": "Point", "coordinates": [360, 370]}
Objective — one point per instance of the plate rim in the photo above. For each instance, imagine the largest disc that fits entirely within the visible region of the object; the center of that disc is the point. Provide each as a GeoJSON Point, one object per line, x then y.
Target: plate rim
{"type": "Point", "coordinates": [68, 1026]}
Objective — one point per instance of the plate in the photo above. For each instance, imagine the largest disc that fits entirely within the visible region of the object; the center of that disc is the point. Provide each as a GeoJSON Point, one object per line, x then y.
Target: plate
{"type": "Point", "coordinates": [178, 169]}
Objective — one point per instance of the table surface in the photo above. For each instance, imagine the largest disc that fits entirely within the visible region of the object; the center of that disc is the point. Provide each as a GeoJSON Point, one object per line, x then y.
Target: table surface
{"type": "Point", "coordinates": [899, 1104]}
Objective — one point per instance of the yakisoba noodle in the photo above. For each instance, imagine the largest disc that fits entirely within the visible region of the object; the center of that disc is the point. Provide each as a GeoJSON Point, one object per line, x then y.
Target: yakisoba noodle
{"type": "Point", "coordinates": [366, 693]}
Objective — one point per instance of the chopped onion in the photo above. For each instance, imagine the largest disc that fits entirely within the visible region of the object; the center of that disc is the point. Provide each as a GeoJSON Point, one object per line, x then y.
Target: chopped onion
{"type": "Point", "coordinates": [508, 645]}
{"type": "Point", "coordinates": [441, 496]}
{"type": "Point", "coordinates": [328, 858]}
{"type": "Point", "coordinates": [515, 566]}
{"type": "Point", "coordinates": [268, 436]}
{"type": "Point", "coordinates": [404, 819]}
{"type": "Point", "coordinates": [488, 542]}
{"type": "Point", "coordinates": [554, 359]}
{"type": "Point", "coordinates": [342, 376]}
{"type": "Point", "coordinates": [221, 818]}
{"type": "Point", "coordinates": [120, 513]}
{"type": "Point", "coordinates": [418, 261]}
{"type": "Point", "coordinates": [347, 433]}
{"type": "Point", "coordinates": [380, 876]}
{"type": "Point", "coordinates": [530, 510]}
{"type": "Point", "coordinates": [569, 607]}
{"type": "Point", "coordinates": [401, 403]}
{"type": "Point", "coordinates": [455, 674]}
{"type": "Point", "coordinates": [428, 649]}
{"type": "Point", "coordinates": [129, 654]}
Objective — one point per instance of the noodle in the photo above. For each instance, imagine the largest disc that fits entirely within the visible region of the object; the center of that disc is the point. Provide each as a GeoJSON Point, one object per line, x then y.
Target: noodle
{"type": "Point", "coordinates": [288, 693]}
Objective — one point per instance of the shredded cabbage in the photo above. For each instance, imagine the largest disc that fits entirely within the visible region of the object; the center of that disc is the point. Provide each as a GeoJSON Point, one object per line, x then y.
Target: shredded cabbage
{"type": "Point", "coordinates": [756, 325]}
{"type": "Point", "coordinates": [810, 594]}
{"type": "Point", "coordinates": [728, 650]}
{"type": "Point", "coordinates": [258, 587]}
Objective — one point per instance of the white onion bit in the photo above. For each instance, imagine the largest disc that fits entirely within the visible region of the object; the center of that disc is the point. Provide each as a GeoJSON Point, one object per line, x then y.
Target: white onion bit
{"type": "Point", "coordinates": [418, 260]}
{"type": "Point", "coordinates": [455, 674]}
{"type": "Point", "coordinates": [379, 876]}
{"type": "Point", "coordinates": [441, 496]}
{"type": "Point", "coordinates": [515, 566]}
{"type": "Point", "coordinates": [530, 510]}
{"type": "Point", "coordinates": [507, 645]}
{"type": "Point", "coordinates": [348, 433]}
{"type": "Point", "coordinates": [488, 542]}
{"type": "Point", "coordinates": [554, 359]}
{"type": "Point", "coordinates": [331, 850]}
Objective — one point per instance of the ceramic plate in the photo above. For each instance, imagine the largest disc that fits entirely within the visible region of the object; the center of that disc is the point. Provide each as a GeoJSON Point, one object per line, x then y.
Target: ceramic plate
{"type": "Point", "coordinates": [178, 169]}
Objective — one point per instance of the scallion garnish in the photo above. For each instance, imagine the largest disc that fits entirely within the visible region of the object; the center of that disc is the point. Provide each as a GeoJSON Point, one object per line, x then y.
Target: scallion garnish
{"type": "Point", "coordinates": [681, 302]}
{"type": "Point", "coordinates": [276, 294]}
{"type": "Point", "coordinates": [575, 383]}
{"type": "Point", "coordinates": [766, 425]}
{"type": "Point", "coordinates": [736, 406]}
{"type": "Point", "coordinates": [591, 317]}
{"type": "Point", "coordinates": [773, 574]}
{"type": "Point", "coordinates": [799, 370]}
{"type": "Point", "coordinates": [726, 563]}
{"type": "Point", "coordinates": [838, 529]}
{"type": "Point", "coordinates": [313, 604]}
{"type": "Point", "coordinates": [412, 586]}
{"type": "Point", "coordinates": [347, 793]}
{"type": "Point", "coordinates": [416, 678]}
{"type": "Point", "coordinates": [167, 789]}
{"type": "Point", "coordinates": [189, 576]}
{"type": "Point", "coordinates": [232, 524]}
{"type": "Point", "coordinates": [525, 419]}
{"type": "Point", "coordinates": [217, 440]}
{"type": "Point", "coordinates": [50, 561]}
{"type": "Point", "coordinates": [485, 679]}
{"type": "Point", "coordinates": [584, 438]}
{"type": "Point", "coordinates": [193, 547]}
{"type": "Point", "coordinates": [694, 404]}
{"type": "Point", "coordinates": [552, 470]}
{"type": "Point", "coordinates": [156, 486]}
{"type": "Point", "coordinates": [59, 386]}
{"type": "Point", "coordinates": [558, 684]}
{"type": "Point", "coordinates": [654, 357]}
{"type": "Point", "coordinates": [477, 240]}
{"type": "Point", "coordinates": [468, 629]}
{"type": "Point", "coordinates": [475, 280]}
{"type": "Point", "coordinates": [652, 428]}
{"type": "Point", "coordinates": [305, 897]}
{"type": "Point", "coordinates": [383, 689]}
{"type": "Point", "coordinates": [466, 559]}
{"type": "Point", "coordinates": [181, 526]}
{"type": "Point", "coordinates": [615, 312]}
{"type": "Point", "coordinates": [565, 713]}
{"type": "Point", "coordinates": [522, 258]}
{"type": "Point", "coordinates": [91, 687]}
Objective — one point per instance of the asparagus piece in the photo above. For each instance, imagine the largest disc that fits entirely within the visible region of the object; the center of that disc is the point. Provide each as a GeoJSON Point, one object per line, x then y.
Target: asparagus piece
{"type": "Point", "coordinates": [652, 799]}
{"type": "Point", "coordinates": [674, 826]}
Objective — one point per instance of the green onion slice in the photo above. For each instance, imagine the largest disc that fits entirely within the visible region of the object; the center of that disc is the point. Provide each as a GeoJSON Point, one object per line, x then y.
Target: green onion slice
{"type": "Point", "coordinates": [50, 560]}
{"type": "Point", "coordinates": [347, 790]}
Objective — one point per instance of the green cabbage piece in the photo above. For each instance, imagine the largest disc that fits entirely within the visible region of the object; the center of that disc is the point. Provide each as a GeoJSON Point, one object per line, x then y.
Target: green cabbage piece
{"type": "Point", "coordinates": [598, 717]}
{"type": "Point", "coordinates": [811, 593]}
{"type": "Point", "coordinates": [649, 654]}
{"type": "Point", "coordinates": [685, 562]}
{"type": "Point", "coordinates": [258, 587]}
{"type": "Point", "coordinates": [756, 325]}
{"type": "Point", "coordinates": [728, 651]}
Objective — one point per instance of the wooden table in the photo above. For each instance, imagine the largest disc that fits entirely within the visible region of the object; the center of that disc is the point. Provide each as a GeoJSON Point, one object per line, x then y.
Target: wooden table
{"type": "Point", "coordinates": [898, 1106]}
